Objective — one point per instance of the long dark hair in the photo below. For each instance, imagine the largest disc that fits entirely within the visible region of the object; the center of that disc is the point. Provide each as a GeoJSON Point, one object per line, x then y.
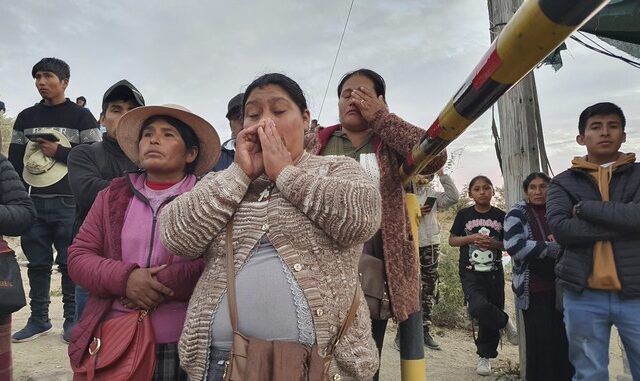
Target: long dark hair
{"type": "Point", "coordinates": [378, 82]}
{"type": "Point", "coordinates": [287, 84]}
{"type": "Point", "coordinates": [476, 179]}
{"type": "Point", "coordinates": [532, 176]}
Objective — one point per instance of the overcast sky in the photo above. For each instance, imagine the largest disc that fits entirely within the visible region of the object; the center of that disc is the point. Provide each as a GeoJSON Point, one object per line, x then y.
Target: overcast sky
{"type": "Point", "coordinates": [200, 54]}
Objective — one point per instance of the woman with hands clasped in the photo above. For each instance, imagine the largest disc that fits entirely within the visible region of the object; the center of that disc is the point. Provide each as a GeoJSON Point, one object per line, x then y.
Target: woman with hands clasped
{"type": "Point", "coordinates": [297, 222]}
{"type": "Point", "coordinates": [118, 256]}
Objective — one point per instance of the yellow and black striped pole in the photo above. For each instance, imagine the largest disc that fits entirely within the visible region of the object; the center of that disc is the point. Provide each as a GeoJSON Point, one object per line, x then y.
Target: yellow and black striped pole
{"type": "Point", "coordinates": [412, 361]}
{"type": "Point", "coordinates": [534, 31]}
{"type": "Point", "coordinates": [537, 28]}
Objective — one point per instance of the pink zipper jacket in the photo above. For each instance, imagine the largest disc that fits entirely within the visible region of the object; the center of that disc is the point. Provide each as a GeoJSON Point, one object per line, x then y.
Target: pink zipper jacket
{"type": "Point", "coordinates": [116, 238]}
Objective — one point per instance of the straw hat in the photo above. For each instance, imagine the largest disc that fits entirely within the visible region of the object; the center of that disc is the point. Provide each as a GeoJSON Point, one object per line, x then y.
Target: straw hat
{"type": "Point", "coordinates": [42, 171]}
{"type": "Point", "coordinates": [128, 131]}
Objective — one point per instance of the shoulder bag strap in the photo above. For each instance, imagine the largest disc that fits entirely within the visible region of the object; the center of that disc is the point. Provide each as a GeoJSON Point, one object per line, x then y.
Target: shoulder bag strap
{"type": "Point", "coordinates": [348, 320]}
{"type": "Point", "coordinates": [231, 279]}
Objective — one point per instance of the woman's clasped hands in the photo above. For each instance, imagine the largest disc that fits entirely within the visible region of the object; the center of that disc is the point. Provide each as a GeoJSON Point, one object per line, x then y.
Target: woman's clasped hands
{"type": "Point", "coordinates": [484, 242]}
{"type": "Point", "coordinates": [144, 291]}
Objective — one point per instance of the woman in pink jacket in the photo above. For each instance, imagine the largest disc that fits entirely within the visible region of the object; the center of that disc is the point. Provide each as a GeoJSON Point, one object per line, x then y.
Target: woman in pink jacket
{"type": "Point", "coordinates": [117, 254]}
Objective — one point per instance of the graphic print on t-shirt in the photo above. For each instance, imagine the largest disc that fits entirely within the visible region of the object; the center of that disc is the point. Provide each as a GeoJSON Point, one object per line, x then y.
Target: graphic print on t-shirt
{"type": "Point", "coordinates": [481, 260]}
{"type": "Point", "coordinates": [469, 222]}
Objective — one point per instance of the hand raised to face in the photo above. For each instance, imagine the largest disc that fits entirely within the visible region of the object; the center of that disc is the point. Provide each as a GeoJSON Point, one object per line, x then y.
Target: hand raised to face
{"type": "Point", "coordinates": [249, 151]}
{"type": "Point", "coordinates": [275, 154]}
{"type": "Point", "coordinates": [367, 103]}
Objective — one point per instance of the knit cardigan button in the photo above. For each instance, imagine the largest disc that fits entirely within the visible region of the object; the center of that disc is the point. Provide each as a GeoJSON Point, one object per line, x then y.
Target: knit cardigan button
{"type": "Point", "coordinates": [297, 267]}
{"type": "Point", "coordinates": [319, 312]}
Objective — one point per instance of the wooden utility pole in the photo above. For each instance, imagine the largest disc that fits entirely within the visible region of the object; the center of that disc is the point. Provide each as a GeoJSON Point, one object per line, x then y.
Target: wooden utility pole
{"type": "Point", "coordinates": [517, 115]}
{"type": "Point", "coordinates": [518, 139]}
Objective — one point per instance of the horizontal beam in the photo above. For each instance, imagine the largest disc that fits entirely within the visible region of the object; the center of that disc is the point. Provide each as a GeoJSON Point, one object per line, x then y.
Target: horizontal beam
{"type": "Point", "coordinates": [534, 31]}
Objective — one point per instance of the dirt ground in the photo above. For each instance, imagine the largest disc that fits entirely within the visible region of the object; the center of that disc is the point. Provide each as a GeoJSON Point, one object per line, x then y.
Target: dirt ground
{"type": "Point", "coordinates": [46, 357]}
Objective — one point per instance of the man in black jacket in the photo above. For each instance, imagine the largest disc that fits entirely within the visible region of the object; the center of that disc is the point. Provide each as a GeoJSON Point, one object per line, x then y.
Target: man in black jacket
{"type": "Point", "coordinates": [42, 138]}
{"type": "Point", "coordinates": [92, 167]}
{"type": "Point", "coordinates": [593, 210]}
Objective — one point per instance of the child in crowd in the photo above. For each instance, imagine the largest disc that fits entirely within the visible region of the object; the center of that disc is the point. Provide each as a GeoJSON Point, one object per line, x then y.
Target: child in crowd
{"type": "Point", "coordinates": [478, 231]}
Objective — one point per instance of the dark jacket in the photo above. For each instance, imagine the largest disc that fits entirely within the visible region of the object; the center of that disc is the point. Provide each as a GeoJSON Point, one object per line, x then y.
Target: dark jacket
{"type": "Point", "coordinates": [617, 221]}
{"type": "Point", "coordinates": [226, 158]}
{"type": "Point", "coordinates": [16, 209]}
{"type": "Point", "coordinates": [91, 169]}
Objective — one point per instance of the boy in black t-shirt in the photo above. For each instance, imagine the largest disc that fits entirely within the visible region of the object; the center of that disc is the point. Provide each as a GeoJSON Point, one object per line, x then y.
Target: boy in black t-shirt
{"type": "Point", "coordinates": [478, 231]}
{"type": "Point", "coordinates": [42, 138]}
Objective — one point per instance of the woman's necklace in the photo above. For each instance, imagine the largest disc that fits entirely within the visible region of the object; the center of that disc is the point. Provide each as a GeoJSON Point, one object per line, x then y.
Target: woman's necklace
{"type": "Point", "coordinates": [264, 195]}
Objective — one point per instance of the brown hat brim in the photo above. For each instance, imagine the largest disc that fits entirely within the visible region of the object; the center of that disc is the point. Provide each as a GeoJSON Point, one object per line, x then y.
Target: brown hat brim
{"type": "Point", "coordinates": [128, 131]}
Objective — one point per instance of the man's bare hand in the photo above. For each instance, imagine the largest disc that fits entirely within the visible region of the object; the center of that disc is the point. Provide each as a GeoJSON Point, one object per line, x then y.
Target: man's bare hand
{"type": "Point", "coordinates": [48, 148]}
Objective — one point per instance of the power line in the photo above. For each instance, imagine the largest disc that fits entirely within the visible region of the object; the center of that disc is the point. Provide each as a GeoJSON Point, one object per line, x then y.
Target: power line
{"type": "Point", "coordinates": [583, 34]}
{"type": "Point", "coordinates": [606, 52]}
{"type": "Point", "coordinates": [336, 59]}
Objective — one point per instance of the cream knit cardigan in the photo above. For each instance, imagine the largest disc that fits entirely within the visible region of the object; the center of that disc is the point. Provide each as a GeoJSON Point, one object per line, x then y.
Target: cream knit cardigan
{"type": "Point", "coordinates": [320, 212]}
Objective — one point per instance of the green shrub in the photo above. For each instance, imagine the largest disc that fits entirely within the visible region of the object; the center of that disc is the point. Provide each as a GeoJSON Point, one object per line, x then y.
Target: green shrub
{"type": "Point", "coordinates": [450, 310]}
